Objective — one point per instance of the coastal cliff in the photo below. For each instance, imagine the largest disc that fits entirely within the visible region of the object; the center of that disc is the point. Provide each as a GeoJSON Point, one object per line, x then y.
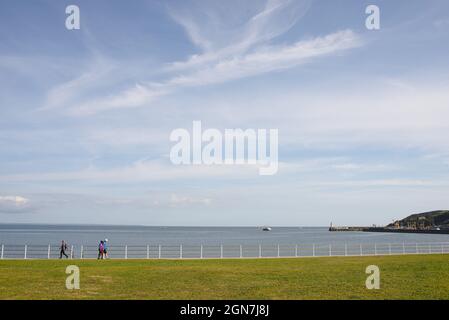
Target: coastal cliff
{"type": "Point", "coordinates": [425, 220]}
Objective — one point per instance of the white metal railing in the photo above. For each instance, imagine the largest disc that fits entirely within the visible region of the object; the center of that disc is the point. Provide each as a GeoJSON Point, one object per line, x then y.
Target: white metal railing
{"type": "Point", "coordinates": [220, 251]}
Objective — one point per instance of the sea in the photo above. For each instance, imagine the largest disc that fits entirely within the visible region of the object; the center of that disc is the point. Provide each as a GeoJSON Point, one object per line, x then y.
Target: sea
{"type": "Point", "coordinates": [40, 234]}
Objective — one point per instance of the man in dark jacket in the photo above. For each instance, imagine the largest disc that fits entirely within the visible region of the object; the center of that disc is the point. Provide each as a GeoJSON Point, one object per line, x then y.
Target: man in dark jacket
{"type": "Point", "coordinates": [63, 250]}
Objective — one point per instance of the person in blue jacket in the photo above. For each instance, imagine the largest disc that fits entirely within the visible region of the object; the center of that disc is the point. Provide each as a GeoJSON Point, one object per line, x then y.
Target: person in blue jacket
{"type": "Point", "coordinates": [105, 248]}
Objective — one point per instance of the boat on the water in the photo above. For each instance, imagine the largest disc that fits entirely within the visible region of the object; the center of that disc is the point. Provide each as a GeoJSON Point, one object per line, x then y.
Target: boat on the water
{"type": "Point", "coordinates": [266, 229]}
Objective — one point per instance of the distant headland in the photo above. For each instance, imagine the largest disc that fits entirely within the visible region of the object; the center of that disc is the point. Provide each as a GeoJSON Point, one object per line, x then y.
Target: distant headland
{"type": "Point", "coordinates": [427, 222]}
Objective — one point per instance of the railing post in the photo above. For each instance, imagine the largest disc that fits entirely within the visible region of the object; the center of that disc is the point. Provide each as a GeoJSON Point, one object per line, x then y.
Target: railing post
{"type": "Point", "coordinates": [159, 251]}
{"type": "Point", "coordinates": [241, 251]}
{"type": "Point", "coordinates": [430, 248]}
{"type": "Point", "coordinates": [296, 251]}
{"type": "Point", "coordinates": [82, 252]}
{"type": "Point", "coordinates": [126, 251]}
{"type": "Point", "coordinates": [389, 249]}
{"type": "Point", "coordinates": [346, 249]}
{"type": "Point", "coordinates": [417, 251]}
{"type": "Point", "coordinates": [403, 247]}
{"type": "Point", "coordinates": [25, 253]}
{"type": "Point", "coordinates": [330, 250]}
{"type": "Point", "coordinates": [148, 251]}
{"type": "Point", "coordinates": [49, 251]}
{"type": "Point", "coordinates": [71, 252]}
{"type": "Point", "coordinates": [3, 249]}
{"type": "Point", "coordinates": [361, 250]}
{"type": "Point", "coordinates": [221, 251]}
{"type": "Point", "coordinates": [442, 249]}
{"type": "Point", "coordinates": [375, 249]}
{"type": "Point", "coordinates": [180, 251]}
{"type": "Point", "coordinates": [313, 250]}
{"type": "Point", "coordinates": [279, 251]}
{"type": "Point", "coordinates": [201, 252]}
{"type": "Point", "coordinates": [260, 251]}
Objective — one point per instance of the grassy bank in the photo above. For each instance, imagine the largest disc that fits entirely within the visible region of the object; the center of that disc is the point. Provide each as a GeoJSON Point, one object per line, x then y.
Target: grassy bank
{"type": "Point", "coordinates": [402, 277]}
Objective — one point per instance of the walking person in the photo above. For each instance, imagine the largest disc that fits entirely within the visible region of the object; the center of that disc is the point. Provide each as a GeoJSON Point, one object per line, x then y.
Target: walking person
{"type": "Point", "coordinates": [101, 250]}
{"type": "Point", "coordinates": [63, 249]}
{"type": "Point", "coordinates": [105, 248]}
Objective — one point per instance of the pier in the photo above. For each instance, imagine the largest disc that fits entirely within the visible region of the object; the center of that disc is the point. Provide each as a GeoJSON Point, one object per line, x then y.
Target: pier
{"type": "Point", "coordinates": [332, 228]}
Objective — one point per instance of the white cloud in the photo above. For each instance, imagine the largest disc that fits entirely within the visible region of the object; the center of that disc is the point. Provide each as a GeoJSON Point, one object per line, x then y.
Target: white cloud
{"type": "Point", "coordinates": [14, 204]}
{"type": "Point", "coordinates": [15, 200]}
{"type": "Point", "coordinates": [354, 115]}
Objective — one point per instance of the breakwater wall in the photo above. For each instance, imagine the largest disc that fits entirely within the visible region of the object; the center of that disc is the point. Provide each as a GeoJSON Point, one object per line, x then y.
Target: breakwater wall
{"type": "Point", "coordinates": [382, 229]}
{"type": "Point", "coordinates": [373, 229]}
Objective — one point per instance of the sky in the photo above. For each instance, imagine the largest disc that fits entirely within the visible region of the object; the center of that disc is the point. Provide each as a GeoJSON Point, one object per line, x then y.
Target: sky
{"type": "Point", "coordinates": [86, 115]}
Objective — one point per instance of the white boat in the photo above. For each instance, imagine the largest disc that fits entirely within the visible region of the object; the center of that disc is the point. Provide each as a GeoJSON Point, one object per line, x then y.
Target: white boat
{"type": "Point", "coordinates": [266, 229]}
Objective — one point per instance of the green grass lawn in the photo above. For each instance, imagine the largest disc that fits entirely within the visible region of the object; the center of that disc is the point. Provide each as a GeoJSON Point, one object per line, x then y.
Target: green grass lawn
{"type": "Point", "coordinates": [402, 277]}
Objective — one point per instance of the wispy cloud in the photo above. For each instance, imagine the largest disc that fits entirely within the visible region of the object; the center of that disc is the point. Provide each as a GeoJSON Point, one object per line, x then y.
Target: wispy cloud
{"type": "Point", "coordinates": [68, 92]}
{"type": "Point", "coordinates": [179, 201]}
{"type": "Point", "coordinates": [269, 59]}
{"type": "Point", "coordinates": [144, 170]}
{"type": "Point", "coordinates": [263, 60]}
{"type": "Point", "coordinates": [221, 36]}
{"type": "Point", "coordinates": [232, 46]}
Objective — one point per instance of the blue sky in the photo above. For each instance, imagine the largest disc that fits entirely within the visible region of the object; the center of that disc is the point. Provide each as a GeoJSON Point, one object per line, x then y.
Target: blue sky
{"type": "Point", "coordinates": [85, 115]}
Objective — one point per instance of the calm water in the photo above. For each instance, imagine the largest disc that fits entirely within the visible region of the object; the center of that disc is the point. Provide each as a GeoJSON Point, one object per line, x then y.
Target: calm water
{"type": "Point", "coordinates": [13, 234]}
